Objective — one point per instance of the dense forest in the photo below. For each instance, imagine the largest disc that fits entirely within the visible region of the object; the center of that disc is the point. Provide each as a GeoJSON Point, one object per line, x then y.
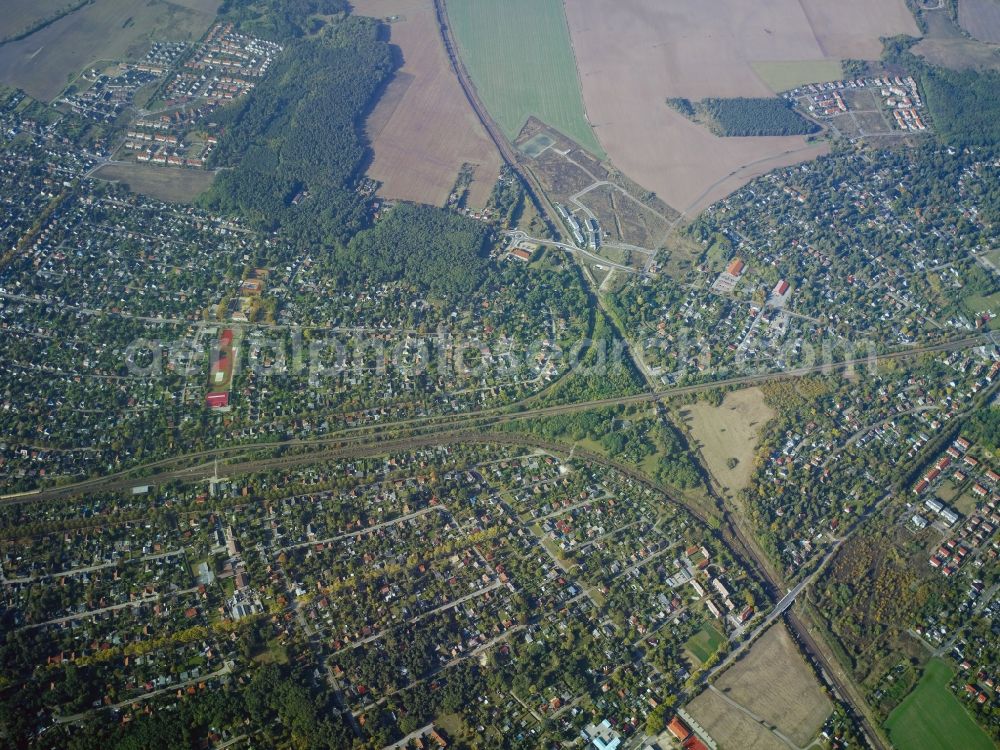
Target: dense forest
{"type": "Point", "coordinates": [293, 146]}
{"type": "Point", "coordinates": [964, 105]}
{"type": "Point", "coordinates": [294, 152]}
{"type": "Point", "coordinates": [744, 116]}
{"type": "Point", "coordinates": [431, 248]}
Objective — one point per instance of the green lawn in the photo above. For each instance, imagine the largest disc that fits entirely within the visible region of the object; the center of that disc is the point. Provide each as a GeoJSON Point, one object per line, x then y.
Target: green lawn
{"type": "Point", "coordinates": [520, 57]}
{"type": "Point", "coordinates": [704, 643]}
{"type": "Point", "coordinates": [789, 74]}
{"type": "Point", "coordinates": [932, 718]}
{"type": "Point", "coordinates": [977, 304]}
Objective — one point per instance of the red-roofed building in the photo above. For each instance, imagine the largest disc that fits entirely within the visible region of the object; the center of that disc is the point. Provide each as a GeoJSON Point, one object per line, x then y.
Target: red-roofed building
{"type": "Point", "coordinates": [217, 400]}
{"type": "Point", "coordinates": [679, 729]}
{"type": "Point", "coordinates": [780, 288]}
{"type": "Point", "coordinates": [735, 268]}
{"type": "Point", "coordinates": [694, 743]}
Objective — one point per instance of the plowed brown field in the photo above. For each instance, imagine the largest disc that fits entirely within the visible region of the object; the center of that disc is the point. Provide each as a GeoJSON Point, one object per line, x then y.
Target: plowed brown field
{"type": "Point", "coordinates": [633, 54]}
{"type": "Point", "coordinates": [423, 130]}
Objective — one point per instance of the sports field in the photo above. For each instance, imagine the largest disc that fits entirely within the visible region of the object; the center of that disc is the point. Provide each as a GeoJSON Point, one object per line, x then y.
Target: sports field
{"type": "Point", "coordinates": [704, 643]}
{"type": "Point", "coordinates": [521, 59]}
{"type": "Point", "coordinates": [932, 718]}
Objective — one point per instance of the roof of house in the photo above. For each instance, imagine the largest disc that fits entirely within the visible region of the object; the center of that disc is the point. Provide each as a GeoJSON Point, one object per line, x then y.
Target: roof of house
{"type": "Point", "coordinates": [694, 743]}
{"type": "Point", "coordinates": [678, 728]}
{"type": "Point", "coordinates": [215, 400]}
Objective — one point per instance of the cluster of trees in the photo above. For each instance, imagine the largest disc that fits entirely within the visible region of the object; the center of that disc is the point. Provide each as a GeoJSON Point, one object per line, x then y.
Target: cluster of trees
{"type": "Point", "coordinates": [871, 595]}
{"type": "Point", "coordinates": [747, 116]}
{"type": "Point", "coordinates": [984, 428]}
{"type": "Point", "coordinates": [295, 151]}
{"type": "Point", "coordinates": [682, 105]}
{"type": "Point", "coordinates": [508, 198]}
{"type": "Point", "coordinates": [279, 703]}
{"type": "Point", "coordinates": [626, 436]}
{"type": "Point", "coordinates": [431, 248]}
{"type": "Point", "coordinates": [964, 105]}
{"type": "Point", "coordinates": [605, 370]}
{"type": "Point", "coordinates": [293, 147]}
{"type": "Point", "coordinates": [281, 19]}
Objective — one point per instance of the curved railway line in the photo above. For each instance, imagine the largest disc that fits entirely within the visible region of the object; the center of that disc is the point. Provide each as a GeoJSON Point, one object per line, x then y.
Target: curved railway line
{"type": "Point", "coordinates": [482, 427]}
{"type": "Point", "coordinates": [444, 427]}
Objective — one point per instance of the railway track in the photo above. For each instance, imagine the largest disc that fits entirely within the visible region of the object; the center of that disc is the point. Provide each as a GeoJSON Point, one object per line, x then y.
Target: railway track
{"type": "Point", "coordinates": [480, 428]}
{"type": "Point", "coordinates": [441, 427]}
{"type": "Point", "coordinates": [507, 151]}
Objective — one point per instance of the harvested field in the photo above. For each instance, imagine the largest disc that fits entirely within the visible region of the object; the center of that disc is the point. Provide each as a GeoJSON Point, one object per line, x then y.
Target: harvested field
{"type": "Point", "coordinates": [171, 184]}
{"type": "Point", "coordinates": [697, 50]}
{"type": "Point", "coordinates": [20, 15]}
{"type": "Point", "coordinates": [730, 727]}
{"type": "Point", "coordinates": [945, 45]}
{"type": "Point", "coordinates": [423, 129]}
{"type": "Point", "coordinates": [981, 18]}
{"type": "Point", "coordinates": [43, 63]}
{"type": "Point", "coordinates": [785, 75]}
{"type": "Point", "coordinates": [520, 56]}
{"type": "Point", "coordinates": [730, 431]}
{"type": "Point", "coordinates": [774, 682]}
{"type": "Point", "coordinates": [852, 29]}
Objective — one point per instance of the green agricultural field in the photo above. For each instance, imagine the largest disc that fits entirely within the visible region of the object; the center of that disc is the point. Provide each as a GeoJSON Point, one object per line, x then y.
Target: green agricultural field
{"type": "Point", "coordinates": [932, 718]}
{"type": "Point", "coordinates": [704, 643]}
{"type": "Point", "coordinates": [521, 59]}
{"type": "Point", "coordinates": [784, 75]}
